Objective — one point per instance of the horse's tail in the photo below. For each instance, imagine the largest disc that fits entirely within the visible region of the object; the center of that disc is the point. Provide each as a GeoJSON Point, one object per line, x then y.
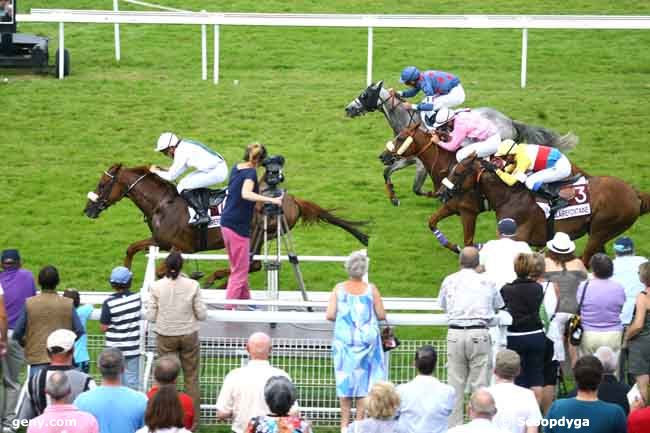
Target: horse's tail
{"type": "Point", "coordinates": [539, 135]}
{"type": "Point", "coordinates": [645, 202]}
{"type": "Point", "coordinates": [310, 212]}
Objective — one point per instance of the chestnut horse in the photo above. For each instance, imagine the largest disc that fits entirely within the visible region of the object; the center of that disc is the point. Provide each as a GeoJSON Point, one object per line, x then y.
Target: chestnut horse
{"type": "Point", "coordinates": [615, 206]}
{"type": "Point", "coordinates": [166, 214]}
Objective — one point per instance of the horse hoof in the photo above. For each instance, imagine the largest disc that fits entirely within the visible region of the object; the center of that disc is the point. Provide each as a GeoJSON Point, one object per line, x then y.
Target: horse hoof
{"type": "Point", "coordinates": [395, 201]}
{"type": "Point", "coordinates": [197, 275]}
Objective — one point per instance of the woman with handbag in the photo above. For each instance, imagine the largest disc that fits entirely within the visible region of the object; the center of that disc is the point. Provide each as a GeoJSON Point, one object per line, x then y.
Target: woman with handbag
{"type": "Point", "coordinates": [356, 307]}
{"type": "Point", "coordinates": [602, 303]}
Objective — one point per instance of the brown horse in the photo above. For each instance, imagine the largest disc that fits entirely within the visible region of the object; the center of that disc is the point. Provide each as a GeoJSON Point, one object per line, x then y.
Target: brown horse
{"type": "Point", "coordinates": [166, 214]}
{"type": "Point", "coordinates": [615, 206]}
{"type": "Point", "coordinates": [416, 142]}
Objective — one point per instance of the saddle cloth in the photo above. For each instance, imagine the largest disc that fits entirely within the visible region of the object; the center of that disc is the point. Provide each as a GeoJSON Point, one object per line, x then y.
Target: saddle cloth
{"type": "Point", "coordinates": [577, 194]}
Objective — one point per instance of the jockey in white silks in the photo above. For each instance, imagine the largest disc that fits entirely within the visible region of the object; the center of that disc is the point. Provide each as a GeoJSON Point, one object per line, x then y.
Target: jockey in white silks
{"type": "Point", "coordinates": [468, 132]}
{"type": "Point", "coordinates": [441, 89]}
{"type": "Point", "coordinates": [210, 168]}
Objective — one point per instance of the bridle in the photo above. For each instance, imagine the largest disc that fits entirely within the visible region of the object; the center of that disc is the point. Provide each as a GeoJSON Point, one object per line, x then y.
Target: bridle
{"type": "Point", "coordinates": [381, 103]}
{"type": "Point", "coordinates": [103, 202]}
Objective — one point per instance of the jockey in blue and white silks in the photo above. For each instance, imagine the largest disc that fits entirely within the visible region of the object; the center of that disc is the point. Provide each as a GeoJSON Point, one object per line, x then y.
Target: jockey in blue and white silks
{"type": "Point", "coordinates": [441, 89]}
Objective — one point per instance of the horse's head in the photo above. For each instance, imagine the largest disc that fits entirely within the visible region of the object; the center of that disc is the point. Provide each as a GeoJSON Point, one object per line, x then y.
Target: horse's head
{"type": "Point", "coordinates": [367, 102]}
{"type": "Point", "coordinates": [108, 191]}
{"type": "Point", "coordinates": [463, 177]}
{"type": "Point", "coordinates": [409, 142]}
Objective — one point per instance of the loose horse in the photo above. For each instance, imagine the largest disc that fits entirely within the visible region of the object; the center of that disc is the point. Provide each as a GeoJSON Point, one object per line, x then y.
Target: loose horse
{"type": "Point", "coordinates": [376, 98]}
{"type": "Point", "coordinates": [615, 206]}
{"type": "Point", "coordinates": [166, 214]}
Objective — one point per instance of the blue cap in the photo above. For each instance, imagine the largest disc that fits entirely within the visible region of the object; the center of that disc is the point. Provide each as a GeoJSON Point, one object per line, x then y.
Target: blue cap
{"type": "Point", "coordinates": [410, 73]}
{"type": "Point", "coordinates": [120, 275]}
{"type": "Point", "coordinates": [624, 245]}
{"type": "Point", "coordinates": [10, 256]}
{"type": "Point", "coordinates": [507, 227]}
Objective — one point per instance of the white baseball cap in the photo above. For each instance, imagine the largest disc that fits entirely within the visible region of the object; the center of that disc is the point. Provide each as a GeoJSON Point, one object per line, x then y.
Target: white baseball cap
{"type": "Point", "coordinates": [63, 338]}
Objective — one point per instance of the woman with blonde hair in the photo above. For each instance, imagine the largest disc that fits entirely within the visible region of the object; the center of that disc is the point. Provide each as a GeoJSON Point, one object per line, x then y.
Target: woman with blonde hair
{"type": "Point", "coordinates": [356, 307]}
{"type": "Point", "coordinates": [243, 192]}
{"type": "Point", "coordinates": [382, 406]}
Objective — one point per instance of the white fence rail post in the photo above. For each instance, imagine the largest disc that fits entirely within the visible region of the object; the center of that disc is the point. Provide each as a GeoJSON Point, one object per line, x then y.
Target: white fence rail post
{"type": "Point", "coordinates": [204, 51]}
{"type": "Point", "coordinates": [118, 54]}
{"type": "Point", "coordinates": [215, 70]}
{"type": "Point", "coordinates": [369, 66]}
{"type": "Point", "coordinates": [524, 56]}
{"type": "Point", "coordinates": [61, 52]}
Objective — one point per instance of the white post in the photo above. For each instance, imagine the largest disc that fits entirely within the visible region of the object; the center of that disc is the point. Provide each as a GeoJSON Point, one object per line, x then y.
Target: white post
{"type": "Point", "coordinates": [524, 55]}
{"type": "Point", "coordinates": [118, 54]}
{"type": "Point", "coordinates": [61, 51]}
{"type": "Point", "coordinates": [204, 51]}
{"type": "Point", "coordinates": [215, 70]}
{"type": "Point", "coordinates": [369, 71]}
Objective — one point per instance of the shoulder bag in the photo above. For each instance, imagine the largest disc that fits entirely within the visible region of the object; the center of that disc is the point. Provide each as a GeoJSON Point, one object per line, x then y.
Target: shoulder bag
{"type": "Point", "coordinates": [574, 325]}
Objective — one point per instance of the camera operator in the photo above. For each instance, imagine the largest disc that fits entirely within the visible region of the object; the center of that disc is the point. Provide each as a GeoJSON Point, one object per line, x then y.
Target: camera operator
{"type": "Point", "coordinates": [243, 192]}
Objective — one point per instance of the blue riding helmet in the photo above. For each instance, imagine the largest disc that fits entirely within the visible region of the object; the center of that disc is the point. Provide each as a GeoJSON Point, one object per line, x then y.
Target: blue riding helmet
{"type": "Point", "coordinates": [410, 73]}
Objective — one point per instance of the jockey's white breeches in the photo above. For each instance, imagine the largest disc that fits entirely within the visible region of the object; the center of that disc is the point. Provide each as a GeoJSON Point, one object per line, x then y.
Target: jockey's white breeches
{"type": "Point", "coordinates": [455, 97]}
{"type": "Point", "coordinates": [204, 179]}
{"type": "Point", "coordinates": [483, 148]}
{"type": "Point", "coordinates": [561, 170]}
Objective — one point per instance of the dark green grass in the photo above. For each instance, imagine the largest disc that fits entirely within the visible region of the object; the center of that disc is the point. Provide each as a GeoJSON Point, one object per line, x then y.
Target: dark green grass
{"type": "Point", "coordinates": [58, 136]}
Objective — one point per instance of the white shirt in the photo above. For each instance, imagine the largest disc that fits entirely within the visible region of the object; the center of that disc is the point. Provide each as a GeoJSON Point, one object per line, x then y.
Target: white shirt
{"type": "Point", "coordinates": [478, 425]}
{"type": "Point", "coordinates": [626, 273]}
{"type": "Point", "coordinates": [190, 154]}
{"type": "Point", "coordinates": [425, 405]}
{"type": "Point", "coordinates": [469, 298]}
{"type": "Point", "coordinates": [516, 407]}
{"type": "Point", "coordinates": [242, 393]}
{"type": "Point", "coordinates": [498, 257]}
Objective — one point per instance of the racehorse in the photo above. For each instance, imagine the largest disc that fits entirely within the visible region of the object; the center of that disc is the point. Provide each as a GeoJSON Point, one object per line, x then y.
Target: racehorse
{"type": "Point", "coordinates": [166, 214]}
{"type": "Point", "coordinates": [415, 142]}
{"type": "Point", "coordinates": [615, 206]}
{"type": "Point", "coordinates": [375, 98]}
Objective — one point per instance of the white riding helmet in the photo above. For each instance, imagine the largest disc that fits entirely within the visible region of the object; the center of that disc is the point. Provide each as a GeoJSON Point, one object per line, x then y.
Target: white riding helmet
{"type": "Point", "coordinates": [167, 139]}
{"type": "Point", "coordinates": [443, 116]}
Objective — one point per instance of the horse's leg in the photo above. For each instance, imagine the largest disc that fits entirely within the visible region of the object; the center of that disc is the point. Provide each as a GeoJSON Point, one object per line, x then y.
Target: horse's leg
{"type": "Point", "coordinates": [216, 275]}
{"type": "Point", "coordinates": [135, 248]}
{"type": "Point", "coordinates": [469, 227]}
{"type": "Point", "coordinates": [442, 213]}
{"type": "Point", "coordinates": [421, 175]}
{"type": "Point", "coordinates": [600, 235]}
{"type": "Point", "coordinates": [390, 189]}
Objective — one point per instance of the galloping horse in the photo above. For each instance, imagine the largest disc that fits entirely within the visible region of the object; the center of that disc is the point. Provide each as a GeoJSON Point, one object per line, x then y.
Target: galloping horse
{"type": "Point", "coordinates": [166, 214]}
{"type": "Point", "coordinates": [615, 206]}
{"type": "Point", "coordinates": [375, 97]}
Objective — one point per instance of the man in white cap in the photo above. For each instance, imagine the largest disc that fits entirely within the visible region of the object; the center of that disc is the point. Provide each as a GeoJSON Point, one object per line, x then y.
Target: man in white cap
{"type": "Point", "coordinates": [498, 256]}
{"type": "Point", "coordinates": [211, 168]}
{"type": "Point", "coordinates": [60, 350]}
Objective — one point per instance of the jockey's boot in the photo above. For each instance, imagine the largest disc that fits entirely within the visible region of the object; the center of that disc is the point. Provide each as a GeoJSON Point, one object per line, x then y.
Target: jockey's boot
{"type": "Point", "coordinates": [554, 200]}
{"type": "Point", "coordinates": [196, 200]}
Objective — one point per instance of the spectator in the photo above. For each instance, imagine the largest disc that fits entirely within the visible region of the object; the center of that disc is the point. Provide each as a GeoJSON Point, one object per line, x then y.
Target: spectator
{"type": "Point", "coordinates": [381, 406]}
{"type": "Point", "coordinates": [118, 409]}
{"type": "Point", "coordinates": [61, 413]}
{"type": "Point", "coordinates": [481, 410]}
{"type": "Point", "coordinates": [626, 268]}
{"type": "Point", "coordinates": [523, 298]}
{"type": "Point", "coordinates": [60, 347]}
{"type": "Point", "coordinates": [470, 301]}
{"type": "Point", "coordinates": [81, 356]}
{"type": "Point", "coordinates": [517, 407]}
{"type": "Point", "coordinates": [42, 315]}
{"type": "Point", "coordinates": [565, 271]}
{"type": "Point", "coordinates": [6, 10]}
{"type": "Point", "coordinates": [356, 307]}
{"type": "Point", "coordinates": [165, 373]}
{"type": "Point", "coordinates": [242, 395]}
{"type": "Point", "coordinates": [594, 416]}
{"type": "Point", "coordinates": [601, 308]}
{"type": "Point", "coordinates": [164, 412]}
{"type": "Point", "coordinates": [638, 335]}
{"type": "Point", "coordinates": [639, 419]}
{"type": "Point", "coordinates": [280, 395]}
{"type": "Point", "coordinates": [236, 218]}
{"type": "Point", "coordinates": [425, 402]}
{"type": "Point", "coordinates": [498, 256]}
{"type": "Point", "coordinates": [176, 307]}
{"type": "Point", "coordinates": [120, 320]}
{"type": "Point", "coordinates": [610, 389]}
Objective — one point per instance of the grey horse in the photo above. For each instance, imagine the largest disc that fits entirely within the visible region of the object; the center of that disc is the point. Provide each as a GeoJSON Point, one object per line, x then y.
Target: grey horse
{"type": "Point", "coordinates": [375, 97]}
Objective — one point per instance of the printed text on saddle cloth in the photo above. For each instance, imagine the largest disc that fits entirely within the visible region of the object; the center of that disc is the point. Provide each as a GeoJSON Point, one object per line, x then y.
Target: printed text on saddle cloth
{"type": "Point", "coordinates": [578, 197]}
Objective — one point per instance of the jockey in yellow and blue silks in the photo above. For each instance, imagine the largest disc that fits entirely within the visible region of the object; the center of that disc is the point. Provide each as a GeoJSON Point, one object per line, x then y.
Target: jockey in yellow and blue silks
{"type": "Point", "coordinates": [441, 89]}
{"type": "Point", "coordinates": [533, 165]}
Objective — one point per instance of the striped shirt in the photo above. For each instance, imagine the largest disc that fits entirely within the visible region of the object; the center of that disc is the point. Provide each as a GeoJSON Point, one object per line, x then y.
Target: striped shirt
{"type": "Point", "coordinates": [121, 312]}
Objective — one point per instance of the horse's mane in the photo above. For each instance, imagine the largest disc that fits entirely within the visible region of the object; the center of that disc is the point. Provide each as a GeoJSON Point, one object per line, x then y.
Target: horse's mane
{"type": "Point", "coordinates": [143, 169]}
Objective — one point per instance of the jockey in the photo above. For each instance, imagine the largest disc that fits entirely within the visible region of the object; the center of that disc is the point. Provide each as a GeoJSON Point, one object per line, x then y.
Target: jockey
{"type": "Point", "coordinates": [534, 166]}
{"type": "Point", "coordinates": [210, 168]}
{"type": "Point", "coordinates": [468, 131]}
{"type": "Point", "coordinates": [441, 89]}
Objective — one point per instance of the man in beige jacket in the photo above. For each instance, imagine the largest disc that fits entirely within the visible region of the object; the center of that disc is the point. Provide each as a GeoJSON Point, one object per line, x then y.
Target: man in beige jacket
{"type": "Point", "coordinates": [176, 308]}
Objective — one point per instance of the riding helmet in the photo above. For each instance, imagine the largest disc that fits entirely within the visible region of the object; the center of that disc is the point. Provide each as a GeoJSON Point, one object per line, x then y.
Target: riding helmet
{"type": "Point", "coordinates": [410, 73]}
{"type": "Point", "coordinates": [167, 139]}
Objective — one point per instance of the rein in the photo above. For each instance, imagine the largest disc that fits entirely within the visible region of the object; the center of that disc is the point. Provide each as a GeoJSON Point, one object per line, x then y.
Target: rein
{"type": "Point", "coordinates": [103, 202]}
{"type": "Point", "coordinates": [393, 107]}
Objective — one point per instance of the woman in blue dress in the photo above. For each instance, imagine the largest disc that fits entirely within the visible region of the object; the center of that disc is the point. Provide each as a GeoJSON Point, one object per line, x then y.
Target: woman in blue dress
{"type": "Point", "coordinates": [356, 307]}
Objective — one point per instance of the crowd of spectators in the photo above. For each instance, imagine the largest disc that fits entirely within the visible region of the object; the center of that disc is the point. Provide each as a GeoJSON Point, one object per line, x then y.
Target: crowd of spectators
{"type": "Point", "coordinates": [512, 386]}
